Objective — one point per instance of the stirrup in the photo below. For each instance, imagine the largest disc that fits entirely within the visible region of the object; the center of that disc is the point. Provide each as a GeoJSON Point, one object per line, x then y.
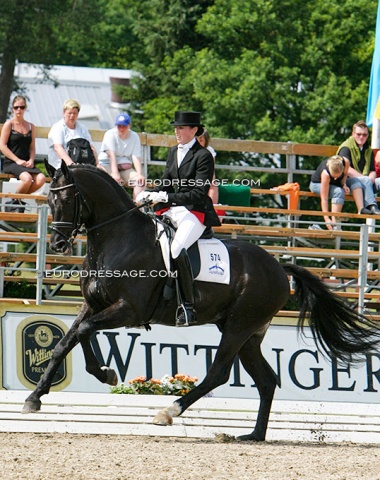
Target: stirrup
{"type": "Point", "coordinates": [185, 315]}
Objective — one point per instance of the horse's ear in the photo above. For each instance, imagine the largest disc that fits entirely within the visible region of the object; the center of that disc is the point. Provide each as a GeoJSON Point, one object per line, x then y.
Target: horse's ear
{"type": "Point", "coordinates": [50, 169]}
{"type": "Point", "coordinates": [65, 170]}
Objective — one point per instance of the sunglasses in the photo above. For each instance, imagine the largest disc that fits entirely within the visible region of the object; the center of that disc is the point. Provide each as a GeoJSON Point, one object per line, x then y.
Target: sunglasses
{"type": "Point", "coordinates": [21, 107]}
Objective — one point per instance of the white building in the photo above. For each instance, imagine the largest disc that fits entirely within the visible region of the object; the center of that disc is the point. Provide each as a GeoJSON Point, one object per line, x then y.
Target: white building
{"type": "Point", "coordinates": [91, 87]}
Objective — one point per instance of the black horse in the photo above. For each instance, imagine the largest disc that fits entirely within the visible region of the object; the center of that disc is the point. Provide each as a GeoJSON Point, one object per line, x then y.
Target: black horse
{"type": "Point", "coordinates": [121, 237]}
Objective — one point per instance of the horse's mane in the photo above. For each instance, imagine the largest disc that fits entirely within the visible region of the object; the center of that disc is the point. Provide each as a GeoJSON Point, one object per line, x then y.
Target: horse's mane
{"type": "Point", "coordinates": [106, 177]}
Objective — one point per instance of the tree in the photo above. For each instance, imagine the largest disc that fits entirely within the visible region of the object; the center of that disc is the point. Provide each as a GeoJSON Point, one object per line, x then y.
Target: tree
{"type": "Point", "coordinates": [26, 27]}
{"type": "Point", "coordinates": [295, 70]}
{"type": "Point", "coordinates": [292, 70]}
{"type": "Point", "coordinates": [102, 36]}
{"type": "Point", "coordinates": [43, 32]}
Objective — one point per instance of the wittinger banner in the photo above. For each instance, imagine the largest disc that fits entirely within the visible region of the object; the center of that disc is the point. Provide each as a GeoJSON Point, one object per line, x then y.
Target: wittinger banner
{"type": "Point", "coordinates": [302, 372]}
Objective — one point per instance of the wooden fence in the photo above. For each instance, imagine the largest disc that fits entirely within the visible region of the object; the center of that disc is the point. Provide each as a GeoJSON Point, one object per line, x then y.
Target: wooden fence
{"type": "Point", "coordinates": [347, 259]}
{"type": "Point", "coordinates": [289, 149]}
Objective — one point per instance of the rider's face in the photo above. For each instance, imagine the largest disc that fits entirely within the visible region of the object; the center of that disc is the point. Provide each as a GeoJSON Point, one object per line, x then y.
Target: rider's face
{"type": "Point", "coordinates": [184, 134]}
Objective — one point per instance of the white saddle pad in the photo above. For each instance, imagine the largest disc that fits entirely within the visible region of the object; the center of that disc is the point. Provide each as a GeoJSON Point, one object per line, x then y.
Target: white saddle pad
{"type": "Point", "coordinates": [214, 259]}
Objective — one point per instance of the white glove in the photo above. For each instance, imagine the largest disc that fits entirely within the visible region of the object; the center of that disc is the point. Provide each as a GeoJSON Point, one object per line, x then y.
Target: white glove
{"type": "Point", "coordinates": [142, 197]}
{"type": "Point", "coordinates": [154, 197]}
{"type": "Point", "coordinates": [158, 197]}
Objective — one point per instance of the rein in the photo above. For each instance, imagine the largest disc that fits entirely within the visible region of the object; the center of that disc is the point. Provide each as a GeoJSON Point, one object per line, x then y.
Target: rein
{"type": "Point", "coordinates": [77, 222]}
{"type": "Point", "coordinates": [113, 219]}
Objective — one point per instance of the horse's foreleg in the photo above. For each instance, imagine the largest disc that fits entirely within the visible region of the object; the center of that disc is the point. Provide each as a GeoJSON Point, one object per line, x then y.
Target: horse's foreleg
{"type": "Point", "coordinates": [61, 350]}
{"type": "Point", "coordinates": [68, 342]}
{"type": "Point", "coordinates": [217, 375]}
{"type": "Point", "coordinates": [114, 316]}
{"type": "Point", "coordinates": [265, 381]}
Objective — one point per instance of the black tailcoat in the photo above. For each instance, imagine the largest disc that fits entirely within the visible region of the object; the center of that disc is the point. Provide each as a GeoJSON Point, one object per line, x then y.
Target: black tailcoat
{"type": "Point", "coordinates": [189, 184]}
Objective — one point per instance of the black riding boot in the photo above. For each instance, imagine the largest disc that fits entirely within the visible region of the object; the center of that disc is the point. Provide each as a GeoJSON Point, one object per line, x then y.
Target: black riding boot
{"type": "Point", "coordinates": [186, 314]}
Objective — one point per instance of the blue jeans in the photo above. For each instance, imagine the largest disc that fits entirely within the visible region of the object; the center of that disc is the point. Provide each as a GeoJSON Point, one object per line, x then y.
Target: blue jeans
{"type": "Point", "coordinates": [335, 193]}
{"type": "Point", "coordinates": [365, 183]}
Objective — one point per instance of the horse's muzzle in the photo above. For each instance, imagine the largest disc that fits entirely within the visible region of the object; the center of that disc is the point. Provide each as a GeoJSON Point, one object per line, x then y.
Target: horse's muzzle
{"type": "Point", "coordinates": [61, 246]}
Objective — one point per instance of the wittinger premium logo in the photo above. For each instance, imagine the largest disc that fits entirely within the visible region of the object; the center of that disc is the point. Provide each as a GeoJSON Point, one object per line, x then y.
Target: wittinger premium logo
{"type": "Point", "coordinates": [36, 340]}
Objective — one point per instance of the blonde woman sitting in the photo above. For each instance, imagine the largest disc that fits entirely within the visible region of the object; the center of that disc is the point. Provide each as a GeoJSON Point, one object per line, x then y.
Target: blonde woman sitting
{"type": "Point", "coordinates": [330, 181]}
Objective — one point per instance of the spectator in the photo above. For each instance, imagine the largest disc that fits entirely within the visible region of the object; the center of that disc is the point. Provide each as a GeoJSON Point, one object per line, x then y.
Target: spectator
{"type": "Point", "coordinates": [357, 151]}
{"type": "Point", "coordinates": [204, 140]}
{"type": "Point", "coordinates": [183, 198]}
{"type": "Point", "coordinates": [17, 143]}
{"type": "Point", "coordinates": [120, 149]}
{"type": "Point", "coordinates": [66, 129]}
{"type": "Point", "coordinates": [330, 181]}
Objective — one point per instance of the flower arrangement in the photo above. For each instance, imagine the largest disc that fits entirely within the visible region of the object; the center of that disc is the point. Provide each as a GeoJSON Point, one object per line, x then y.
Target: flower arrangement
{"type": "Point", "coordinates": [178, 385]}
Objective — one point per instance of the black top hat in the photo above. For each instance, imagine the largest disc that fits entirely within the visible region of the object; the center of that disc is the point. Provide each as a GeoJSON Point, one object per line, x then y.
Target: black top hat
{"type": "Point", "coordinates": [191, 119]}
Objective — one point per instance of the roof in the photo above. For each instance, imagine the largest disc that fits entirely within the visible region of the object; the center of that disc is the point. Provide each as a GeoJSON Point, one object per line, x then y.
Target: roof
{"type": "Point", "coordinates": [91, 87]}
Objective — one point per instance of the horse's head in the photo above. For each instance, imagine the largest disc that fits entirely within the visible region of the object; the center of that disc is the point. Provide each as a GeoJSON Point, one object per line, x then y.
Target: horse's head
{"type": "Point", "coordinates": [83, 195]}
{"type": "Point", "coordinates": [66, 208]}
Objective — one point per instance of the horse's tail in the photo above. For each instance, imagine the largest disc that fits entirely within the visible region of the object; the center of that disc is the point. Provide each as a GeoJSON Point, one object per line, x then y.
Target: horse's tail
{"type": "Point", "coordinates": [336, 327]}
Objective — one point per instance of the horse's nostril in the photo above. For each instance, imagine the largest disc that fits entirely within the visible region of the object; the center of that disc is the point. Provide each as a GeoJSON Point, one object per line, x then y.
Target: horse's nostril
{"type": "Point", "coordinates": [59, 246]}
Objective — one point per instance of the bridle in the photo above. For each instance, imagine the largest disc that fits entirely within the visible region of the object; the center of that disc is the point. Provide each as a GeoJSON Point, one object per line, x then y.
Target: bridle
{"type": "Point", "coordinates": [77, 223]}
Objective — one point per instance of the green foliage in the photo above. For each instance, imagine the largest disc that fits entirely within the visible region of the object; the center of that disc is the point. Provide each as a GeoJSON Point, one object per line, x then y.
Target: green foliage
{"type": "Point", "coordinates": [300, 75]}
{"type": "Point", "coordinates": [294, 70]}
{"type": "Point", "coordinates": [21, 289]}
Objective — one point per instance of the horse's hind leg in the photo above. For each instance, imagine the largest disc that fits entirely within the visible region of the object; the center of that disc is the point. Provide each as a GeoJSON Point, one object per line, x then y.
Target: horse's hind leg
{"type": "Point", "coordinates": [265, 379]}
{"type": "Point", "coordinates": [218, 374]}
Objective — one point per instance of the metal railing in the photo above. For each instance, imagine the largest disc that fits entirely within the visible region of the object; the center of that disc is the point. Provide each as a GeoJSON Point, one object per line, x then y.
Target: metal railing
{"type": "Point", "coordinates": [149, 141]}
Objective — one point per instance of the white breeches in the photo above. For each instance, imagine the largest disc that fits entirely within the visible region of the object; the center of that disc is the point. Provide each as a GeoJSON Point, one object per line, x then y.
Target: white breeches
{"type": "Point", "coordinates": [189, 229]}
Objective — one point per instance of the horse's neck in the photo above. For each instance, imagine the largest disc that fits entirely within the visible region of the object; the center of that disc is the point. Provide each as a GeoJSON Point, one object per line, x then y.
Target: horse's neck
{"type": "Point", "coordinates": [104, 203]}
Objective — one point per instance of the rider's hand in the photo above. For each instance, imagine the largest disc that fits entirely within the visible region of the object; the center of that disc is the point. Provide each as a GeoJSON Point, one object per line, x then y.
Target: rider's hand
{"type": "Point", "coordinates": [154, 197]}
{"type": "Point", "coordinates": [142, 197]}
{"type": "Point", "coordinates": [158, 197]}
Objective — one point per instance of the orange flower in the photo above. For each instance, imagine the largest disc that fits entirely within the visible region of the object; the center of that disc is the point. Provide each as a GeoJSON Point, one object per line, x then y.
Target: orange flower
{"type": "Point", "coordinates": [185, 378]}
{"type": "Point", "coordinates": [138, 380]}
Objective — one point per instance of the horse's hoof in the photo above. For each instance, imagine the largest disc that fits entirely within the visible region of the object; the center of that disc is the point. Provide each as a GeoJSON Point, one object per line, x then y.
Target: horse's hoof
{"type": "Point", "coordinates": [249, 438]}
{"type": "Point", "coordinates": [31, 406]}
{"type": "Point", "coordinates": [163, 418]}
{"type": "Point", "coordinates": [111, 376]}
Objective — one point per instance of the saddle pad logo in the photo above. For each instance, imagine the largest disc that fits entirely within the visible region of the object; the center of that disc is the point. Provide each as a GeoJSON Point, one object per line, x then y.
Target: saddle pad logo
{"type": "Point", "coordinates": [216, 268]}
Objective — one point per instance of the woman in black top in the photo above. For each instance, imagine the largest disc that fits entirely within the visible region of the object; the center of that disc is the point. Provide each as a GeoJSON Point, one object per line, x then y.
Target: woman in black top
{"type": "Point", "coordinates": [17, 143]}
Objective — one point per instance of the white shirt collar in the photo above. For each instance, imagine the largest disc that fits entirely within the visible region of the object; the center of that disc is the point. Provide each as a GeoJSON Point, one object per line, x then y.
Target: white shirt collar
{"type": "Point", "coordinates": [187, 146]}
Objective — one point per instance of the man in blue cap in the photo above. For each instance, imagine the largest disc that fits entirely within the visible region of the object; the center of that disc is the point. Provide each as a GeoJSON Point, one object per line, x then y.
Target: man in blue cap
{"type": "Point", "coordinates": [120, 149]}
